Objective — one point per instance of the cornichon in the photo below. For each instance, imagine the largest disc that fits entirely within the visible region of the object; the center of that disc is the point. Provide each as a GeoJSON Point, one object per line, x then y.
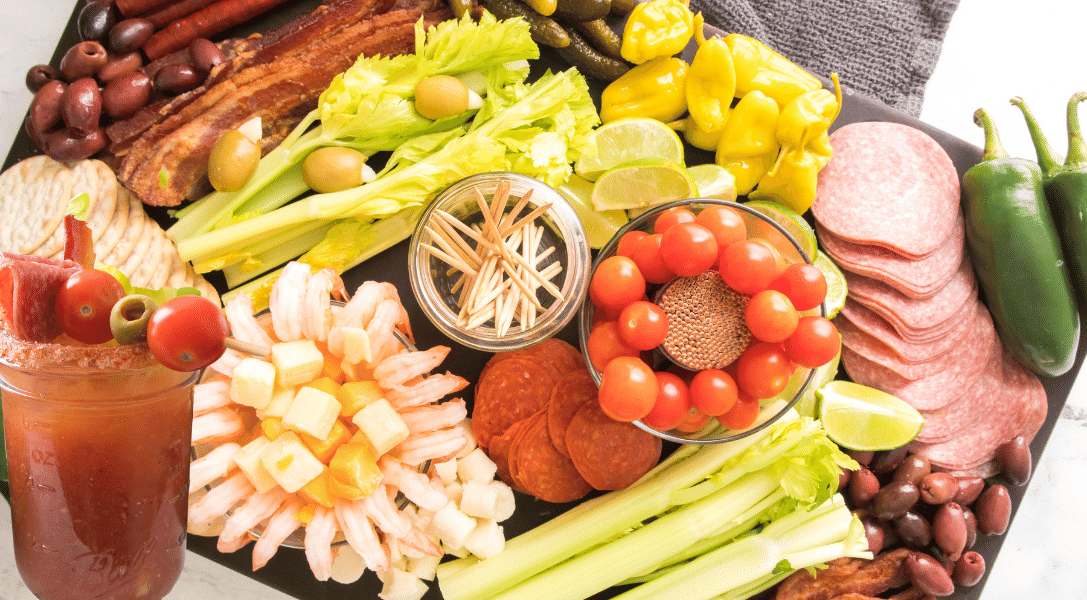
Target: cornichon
{"type": "Point", "coordinates": [583, 10]}
{"type": "Point", "coordinates": [1017, 257]}
{"type": "Point", "coordinates": [544, 29]}
{"type": "Point", "coordinates": [590, 62]}
{"type": "Point", "coordinates": [602, 37]}
{"type": "Point", "coordinates": [622, 7]}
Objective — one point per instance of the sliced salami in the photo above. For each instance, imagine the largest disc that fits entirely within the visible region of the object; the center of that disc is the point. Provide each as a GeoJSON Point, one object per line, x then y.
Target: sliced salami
{"type": "Point", "coordinates": [888, 185]}
{"type": "Point", "coordinates": [545, 472]}
{"type": "Point", "coordinates": [916, 319]}
{"type": "Point", "coordinates": [515, 481]}
{"type": "Point", "coordinates": [868, 372]}
{"type": "Point", "coordinates": [857, 320]}
{"type": "Point", "coordinates": [499, 451]}
{"type": "Point", "coordinates": [971, 401]}
{"type": "Point", "coordinates": [609, 454]}
{"type": "Point", "coordinates": [508, 391]}
{"type": "Point", "coordinates": [573, 390]}
{"type": "Point", "coordinates": [28, 292]}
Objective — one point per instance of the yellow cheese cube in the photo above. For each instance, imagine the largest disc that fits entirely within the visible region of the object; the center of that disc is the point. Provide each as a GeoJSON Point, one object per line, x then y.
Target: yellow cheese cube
{"type": "Point", "coordinates": [306, 514]}
{"type": "Point", "coordinates": [297, 362]}
{"type": "Point", "coordinates": [356, 346]}
{"type": "Point", "coordinates": [382, 425]}
{"type": "Point", "coordinates": [331, 368]}
{"type": "Point", "coordinates": [290, 463]}
{"type": "Point", "coordinates": [324, 448]}
{"type": "Point", "coordinates": [325, 385]}
{"type": "Point", "coordinates": [281, 401]}
{"type": "Point", "coordinates": [354, 395]}
{"type": "Point", "coordinates": [252, 382]}
{"type": "Point", "coordinates": [356, 372]}
{"type": "Point", "coordinates": [317, 490]}
{"type": "Point", "coordinates": [354, 466]}
{"type": "Point", "coordinates": [312, 412]}
{"type": "Point", "coordinates": [272, 427]}
{"type": "Point", "coordinates": [248, 461]}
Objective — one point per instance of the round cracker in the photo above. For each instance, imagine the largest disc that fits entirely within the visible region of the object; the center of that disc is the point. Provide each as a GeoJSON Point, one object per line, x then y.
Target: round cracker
{"type": "Point", "coordinates": [152, 258]}
{"type": "Point", "coordinates": [165, 266]}
{"type": "Point", "coordinates": [105, 201]}
{"type": "Point", "coordinates": [132, 232]}
{"type": "Point", "coordinates": [84, 180]}
{"type": "Point", "coordinates": [32, 191]}
{"type": "Point", "coordinates": [116, 226]}
{"type": "Point", "coordinates": [179, 275]}
{"type": "Point", "coordinates": [140, 248]}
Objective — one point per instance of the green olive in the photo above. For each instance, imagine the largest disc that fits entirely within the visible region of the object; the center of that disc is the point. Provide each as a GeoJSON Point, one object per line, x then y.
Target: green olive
{"type": "Point", "coordinates": [333, 169]}
{"type": "Point", "coordinates": [232, 162]}
{"type": "Point", "coordinates": [129, 317]}
{"type": "Point", "coordinates": [441, 96]}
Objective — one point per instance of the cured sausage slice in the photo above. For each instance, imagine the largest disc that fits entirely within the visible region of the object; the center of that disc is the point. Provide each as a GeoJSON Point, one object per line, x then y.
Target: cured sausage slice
{"type": "Point", "coordinates": [609, 454]}
{"type": "Point", "coordinates": [888, 185]}
{"type": "Point", "coordinates": [28, 292]}
{"type": "Point", "coordinates": [499, 451]}
{"type": "Point", "coordinates": [858, 321]}
{"type": "Point", "coordinates": [574, 389]}
{"type": "Point", "coordinates": [544, 472]}
{"type": "Point", "coordinates": [520, 428]}
{"type": "Point", "coordinates": [510, 390]}
{"type": "Point", "coordinates": [971, 401]}
{"type": "Point", "coordinates": [916, 319]}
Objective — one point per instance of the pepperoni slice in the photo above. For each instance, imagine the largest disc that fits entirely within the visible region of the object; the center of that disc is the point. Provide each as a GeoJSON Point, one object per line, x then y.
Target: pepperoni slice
{"type": "Point", "coordinates": [510, 390]}
{"type": "Point", "coordinates": [545, 473]}
{"type": "Point", "coordinates": [500, 451]}
{"type": "Point", "coordinates": [609, 454]}
{"type": "Point", "coordinates": [573, 390]}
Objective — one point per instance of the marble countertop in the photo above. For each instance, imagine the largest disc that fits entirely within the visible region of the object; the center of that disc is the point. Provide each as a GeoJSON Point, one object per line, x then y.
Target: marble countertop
{"type": "Point", "coordinates": [994, 49]}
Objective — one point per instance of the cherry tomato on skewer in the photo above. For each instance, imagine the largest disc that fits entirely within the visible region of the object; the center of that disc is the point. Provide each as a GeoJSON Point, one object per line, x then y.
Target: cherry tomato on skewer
{"type": "Point", "coordinates": [83, 305]}
{"type": "Point", "coordinates": [187, 332]}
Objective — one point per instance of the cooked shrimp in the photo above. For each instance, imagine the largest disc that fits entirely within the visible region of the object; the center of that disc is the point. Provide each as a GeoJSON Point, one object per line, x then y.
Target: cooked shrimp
{"type": "Point", "coordinates": [431, 417]}
{"type": "Point", "coordinates": [243, 325]}
{"type": "Point", "coordinates": [226, 363]}
{"type": "Point", "coordinates": [220, 499]}
{"type": "Point", "coordinates": [380, 331]}
{"type": "Point", "coordinates": [414, 485]}
{"type": "Point", "coordinates": [280, 526]}
{"type": "Point", "coordinates": [222, 425]}
{"type": "Point", "coordinates": [403, 323]}
{"type": "Point", "coordinates": [317, 309]}
{"type": "Point", "coordinates": [255, 509]}
{"type": "Point", "coordinates": [427, 391]}
{"type": "Point", "coordinates": [235, 544]}
{"type": "Point", "coordinates": [320, 532]}
{"type": "Point", "coordinates": [421, 447]}
{"type": "Point", "coordinates": [399, 368]}
{"type": "Point", "coordinates": [211, 466]}
{"type": "Point", "coordinates": [419, 541]}
{"type": "Point", "coordinates": [356, 313]}
{"type": "Point", "coordinates": [210, 395]}
{"type": "Point", "coordinates": [384, 513]}
{"type": "Point", "coordinates": [287, 301]}
{"type": "Point", "coordinates": [360, 533]}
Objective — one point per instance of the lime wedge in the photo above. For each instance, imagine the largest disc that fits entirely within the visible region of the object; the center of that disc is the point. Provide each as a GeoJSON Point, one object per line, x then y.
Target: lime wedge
{"type": "Point", "coordinates": [858, 417]}
{"type": "Point", "coordinates": [714, 181]}
{"type": "Point", "coordinates": [790, 220]}
{"type": "Point", "coordinates": [600, 226]}
{"type": "Point", "coordinates": [642, 184]}
{"type": "Point", "coordinates": [624, 140]}
{"type": "Point", "coordinates": [836, 286]}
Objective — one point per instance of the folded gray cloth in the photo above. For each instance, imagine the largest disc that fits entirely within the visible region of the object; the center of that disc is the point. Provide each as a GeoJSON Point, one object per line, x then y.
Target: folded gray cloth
{"type": "Point", "coordinates": [886, 49]}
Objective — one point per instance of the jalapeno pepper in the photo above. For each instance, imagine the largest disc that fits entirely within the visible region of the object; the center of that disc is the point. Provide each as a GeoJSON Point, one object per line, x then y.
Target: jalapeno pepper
{"type": "Point", "coordinates": [748, 143]}
{"type": "Point", "coordinates": [711, 82]}
{"type": "Point", "coordinates": [759, 67]}
{"type": "Point", "coordinates": [654, 90]}
{"type": "Point", "coordinates": [656, 29]}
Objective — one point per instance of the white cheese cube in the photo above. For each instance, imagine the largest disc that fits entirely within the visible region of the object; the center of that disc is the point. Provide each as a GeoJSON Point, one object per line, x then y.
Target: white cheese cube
{"type": "Point", "coordinates": [347, 565]}
{"type": "Point", "coordinates": [479, 499]}
{"type": "Point", "coordinates": [382, 425]}
{"type": "Point", "coordinates": [297, 362]}
{"type": "Point", "coordinates": [454, 492]}
{"type": "Point", "coordinates": [447, 470]}
{"type": "Point", "coordinates": [452, 526]}
{"type": "Point", "coordinates": [401, 585]}
{"type": "Point", "coordinates": [424, 567]}
{"type": "Point", "coordinates": [281, 401]}
{"type": "Point", "coordinates": [248, 460]}
{"type": "Point", "coordinates": [476, 466]}
{"type": "Point", "coordinates": [461, 552]}
{"type": "Point", "coordinates": [356, 346]}
{"type": "Point", "coordinates": [470, 443]}
{"type": "Point", "coordinates": [312, 412]}
{"type": "Point", "coordinates": [503, 508]}
{"type": "Point", "coordinates": [290, 462]}
{"type": "Point", "coordinates": [252, 383]}
{"type": "Point", "coordinates": [486, 540]}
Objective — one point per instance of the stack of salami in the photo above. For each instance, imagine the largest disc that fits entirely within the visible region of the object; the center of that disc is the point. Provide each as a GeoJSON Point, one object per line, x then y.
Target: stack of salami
{"type": "Point", "coordinates": [887, 212]}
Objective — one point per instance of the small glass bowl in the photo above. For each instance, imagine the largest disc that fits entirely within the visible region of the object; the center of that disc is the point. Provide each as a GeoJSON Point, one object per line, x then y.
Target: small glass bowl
{"type": "Point", "coordinates": [432, 279]}
{"type": "Point", "coordinates": [758, 225]}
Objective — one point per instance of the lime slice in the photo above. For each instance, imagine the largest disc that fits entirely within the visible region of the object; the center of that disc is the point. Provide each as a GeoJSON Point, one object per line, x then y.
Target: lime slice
{"type": "Point", "coordinates": [714, 181]}
{"type": "Point", "coordinates": [836, 286]}
{"type": "Point", "coordinates": [858, 417]}
{"type": "Point", "coordinates": [600, 226]}
{"type": "Point", "coordinates": [643, 184]}
{"type": "Point", "coordinates": [790, 220]}
{"type": "Point", "coordinates": [624, 140]}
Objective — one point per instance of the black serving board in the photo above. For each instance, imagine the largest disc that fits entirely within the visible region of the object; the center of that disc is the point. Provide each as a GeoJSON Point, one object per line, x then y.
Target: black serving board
{"type": "Point", "coordinates": [289, 572]}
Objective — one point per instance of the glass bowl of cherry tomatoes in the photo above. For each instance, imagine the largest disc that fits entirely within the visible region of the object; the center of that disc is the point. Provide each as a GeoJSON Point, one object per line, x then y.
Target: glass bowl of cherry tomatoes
{"type": "Point", "coordinates": [705, 322]}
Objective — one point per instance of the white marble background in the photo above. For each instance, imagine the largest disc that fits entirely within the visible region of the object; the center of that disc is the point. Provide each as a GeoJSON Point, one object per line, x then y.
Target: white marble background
{"type": "Point", "coordinates": [995, 49]}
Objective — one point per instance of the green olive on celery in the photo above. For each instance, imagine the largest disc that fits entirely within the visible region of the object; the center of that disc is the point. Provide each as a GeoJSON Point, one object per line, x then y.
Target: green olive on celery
{"type": "Point", "coordinates": [232, 162]}
{"type": "Point", "coordinates": [129, 317]}
{"type": "Point", "coordinates": [443, 96]}
{"type": "Point", "coordinates": [335, 169]}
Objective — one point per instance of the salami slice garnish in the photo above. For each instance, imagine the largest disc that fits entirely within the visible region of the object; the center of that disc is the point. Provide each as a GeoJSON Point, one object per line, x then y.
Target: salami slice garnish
{"type": "Point", "coordinates": [609, 454]}
{"type": "Point", "coordinates": [509, 390]}
{"type": "Point", "coordinates": [570, 393]}
{"type": "Point", "coordinates": [28, 292]}
{"type": "Point", "coordinates": [545, 472]}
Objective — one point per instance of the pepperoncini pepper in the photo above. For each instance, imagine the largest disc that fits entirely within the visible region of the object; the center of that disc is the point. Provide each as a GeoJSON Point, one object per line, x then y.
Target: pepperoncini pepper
{"type": "Point", "coordinates": [748, 144]}
{"type": "Point", "coordinates": [656, 29]}
{"type": "Point", "coordinates": [653, 90]}
{"type": "Point", "coordinates": [702, 140]}
{"type": "Point", "coordinates": [711, 82]}
{"type": "Point", "coordinates": [759, 67]}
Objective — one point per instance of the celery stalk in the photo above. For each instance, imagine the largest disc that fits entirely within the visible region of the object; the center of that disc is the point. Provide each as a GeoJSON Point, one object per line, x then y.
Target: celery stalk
{"type": "Point", "coordinates": [270, 254]}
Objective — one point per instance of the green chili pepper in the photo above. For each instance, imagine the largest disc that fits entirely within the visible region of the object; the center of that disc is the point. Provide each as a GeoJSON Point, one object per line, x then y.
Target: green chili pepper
{"type": "Point", "coordinates": [1017, 257]}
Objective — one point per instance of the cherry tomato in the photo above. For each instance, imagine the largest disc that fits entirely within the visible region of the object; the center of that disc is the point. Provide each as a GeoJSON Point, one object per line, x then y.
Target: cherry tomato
{"type": "Point", "coordinates": [726, 225]}
{"type": "Point", "coordinates": [629, 240]}
{"type": "Point", "coordinates": [688, 249]}
{"type": "Point", "coordinates": [815, 342]}
{"type": "Point", "coordinates": [804, 284]}
{"type": "Point", "coordinates": [763, 370]}
{"type": "Point", "coordinates": [628, 389]}
{"type": "Point", "coordinates": [617, 282]}
{"type": "Point", "coordinates": [770, 316]}
{"type": "Point", "coordinates": [83, 305]}
{"type": "Point", "coordinates": [748, 267]}
{"type": "Point", "coordinates": [713, 392]}
{"type": "Point", "coordinates": [670, 217]}
{"type": "Point", "coordinates": [694, 421]}
{"type": "Point", "coordinates": [672, 404]}
{"type": "Point", "coordinates": [647, 255]}
{"type": "Point", "coordinates": [186, 333]}
{"type": "Point", "coordinates": [643, 325]}
{"type": "Point", "coordinates": [604, 344]}
{"type": "Point", "coordinates": [742, 415]}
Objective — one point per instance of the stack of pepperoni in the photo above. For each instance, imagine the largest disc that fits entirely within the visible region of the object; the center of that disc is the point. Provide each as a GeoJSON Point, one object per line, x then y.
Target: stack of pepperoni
{"type": "Point", "coordinates": [536, 415]}
{"type": "Point", "coordinates": [887, 212]}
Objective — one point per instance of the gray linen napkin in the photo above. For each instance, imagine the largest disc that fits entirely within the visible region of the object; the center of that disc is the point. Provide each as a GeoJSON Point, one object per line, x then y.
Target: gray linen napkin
{"type": "Point", "coordinates": [886, 49]}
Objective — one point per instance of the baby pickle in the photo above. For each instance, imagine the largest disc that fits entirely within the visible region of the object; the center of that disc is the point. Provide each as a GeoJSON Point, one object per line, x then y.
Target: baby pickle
{"type": "Point", "coordinates": [129, 317]}
{"type": "Point", "coordinates": [232, 162]}
{"type": "Point", "coordinates": [441, 96]}
{"type": "Point", "coordinates": [333, 169]}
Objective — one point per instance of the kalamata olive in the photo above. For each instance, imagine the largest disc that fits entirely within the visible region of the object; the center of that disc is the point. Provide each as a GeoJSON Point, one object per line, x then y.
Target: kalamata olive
{"type": "Point", "coordinates": [969, 490]}
{"type": "Point", "coordinates": [83, 60]}
{"type": "Point", "coordinates": [914, 529]}
{"type": "Point", "coordinates": [863, 486]}
{"type": "Point", "coordinates": [861, 456]}
{"type": "Point", "coordinates": [39, 75]}
{"type": "Point", "coordinates": [129, 317]}
{"type": "Point", "coordinates": [949, 529]}
{"type": "Point", "coordinates": [119, 64]}
{"type": "Point", "coordinates": [441, 96]}
{"type": "Point", "coordinates": [913, 469]}
{"type": "Point", "coordinates": [334, 169]}
{"type": "Point", "coordinates": [928, 575]}
{"type": "Point", "coordinates": [874, 531]}
{"type": "Point", "coordinates": [993, 510]}
{"type": "Point", "coordinates": [205, 55]}
{"type": "Point", "coordinates": [1013, 458]}
{"type": "Point", "coordinates": [937, 488]}
{"type": "Point", "coordinates": [81, 105]}
{"type": "Point", "coordinates": [887, 461]}
{"type": "Point", "coordinates": [45, 107]}
{"type": "Point", "coordinates": [971, 527]}
{"type": "Point", "coordinates": [126, 95]}
{"type": "Point", "coordinates": [175, 78]}
{"type": "Point", "coordinates": [969, 569]}
{"type": "Point", "coordinates": [95, 21]}
{"type": "Point", "coordinates": [232, 162]}
{"type": "Point", "coordinates": [130, 35]}
{"type": "Point", "coordinates": [68, 144]}
{"type": "Point", "coordinates": [843, 478]}
{"type": "Point", "coordinates": [894, 499]}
